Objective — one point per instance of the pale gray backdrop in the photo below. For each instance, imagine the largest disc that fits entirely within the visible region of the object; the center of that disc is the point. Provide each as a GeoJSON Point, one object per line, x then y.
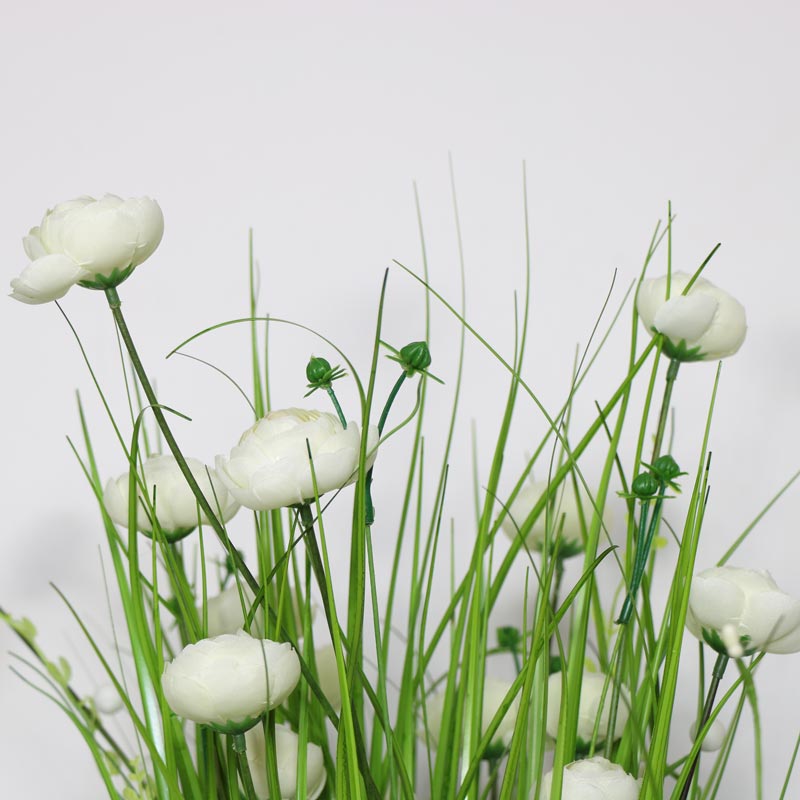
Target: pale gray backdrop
{"type": "Point", "coordinates": [309, 123]}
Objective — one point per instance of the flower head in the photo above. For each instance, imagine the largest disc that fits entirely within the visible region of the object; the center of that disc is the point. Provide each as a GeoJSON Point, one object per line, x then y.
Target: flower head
{"type": "Point", "coordinates": [228, 682]}
{"type": "Point", "coordinates": [494, 693]}
{"type": "Point", "coordinates": [169, 493]}
{"type": "Point", "coordinates": [563, 523]}
{"type": "Point", "coordinates": [705, 324]}
{"type": "Point", "coordinates": [593, 779]}
{"type": "Point", "coordinates": [590, 712]}
{"type": "Point", "coordinates": [94, 243]}
{"type": "Point", "coordinates": [270, 468]}
{"type": "Point", "coordinates": [287, 744]}
{"type": "Point", "coordinates": [739, 611]}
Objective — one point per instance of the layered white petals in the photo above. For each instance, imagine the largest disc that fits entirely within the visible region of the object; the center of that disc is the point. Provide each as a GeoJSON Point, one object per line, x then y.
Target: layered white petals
{"type": "Point", "coordinates": [562, 518]}
{"type": "Point", "coordinates": [706, 319]}
{"type": "Point", "coordinates": [230, 680]}
{"type": "Point", "coordinates": [328, 675]}
{"type": "Point", "coordinates": [287, 744]}
{"type": "Point", "coordinates": [84, 240]}
{"type": "Point", "coordinates": [270, 469]}
{"type": "Point", "coordinates": [593, 779]}
{"type": "Point", "coordinates": [174, 502]}
{"type": "Point", "coordinates": [48, 278]}
{"type": "Point", "coordinates": [589, 709]}
{"type": "Point", "coordinates": [494, 692]}
{"type": "Point", "coordinates": [743, 611]}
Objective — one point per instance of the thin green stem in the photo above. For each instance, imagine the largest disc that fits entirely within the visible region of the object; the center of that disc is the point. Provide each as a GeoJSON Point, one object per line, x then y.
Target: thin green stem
{"type": "Point", "coordinates": [390, 400]}
{"type": "Point", "coordinates": [336, 405]}
{"type": "Point", "coordinates": [240, 748]}
{"type": "Point", "coordinates": [716, 678]}
{"type": "Point", "coordinates": [672, 374]}
{"type": "Point", "coordinates": [315, 557]}
{"type": "Point", "coordinates": [115, 304]}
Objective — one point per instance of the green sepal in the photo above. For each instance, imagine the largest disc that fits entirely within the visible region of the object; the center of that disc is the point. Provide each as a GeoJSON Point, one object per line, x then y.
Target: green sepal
{"type": "Point", "coordinates": [680, 351]}
{"type": "Point", "coordinates": [714, 641]}
{"type": "Point", "coordinates": [103, 282]}
{"type": "Point", "coordinates": [234, 728]}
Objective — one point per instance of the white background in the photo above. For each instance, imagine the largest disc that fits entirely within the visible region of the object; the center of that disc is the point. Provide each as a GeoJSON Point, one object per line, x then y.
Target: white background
{"type": "Point", "coordinates": [309, 123]}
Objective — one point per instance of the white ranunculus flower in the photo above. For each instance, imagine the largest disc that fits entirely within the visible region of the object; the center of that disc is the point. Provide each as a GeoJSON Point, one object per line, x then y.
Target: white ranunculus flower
{"type": "Point", "coordinates": [226, 614]}
{"type": "Point", "coordinates": [93, 242]}
{"type": "Point", "coordinates": [706, 324]}
{"type": "Point", "coordinates": [175, 504]}
{"type": "Point", "coordinates": [328, 675]}
{"type": "Point", "coordinates": [228, 682]}
{"type": "Point", "coordinates": [589, 708]}
{"type": "Point", "coordinates": [494, 692]}
{"type": "Point", "coordinates": [739, 611]}
{"type": "Point", "coordinates": [269, 468]}
{"type": "Point", "coordinates": [287, 743]}
{"type": "Point", "coordinates": [593, 779]}
{"type": "Point", "coordinates": [564, 517]}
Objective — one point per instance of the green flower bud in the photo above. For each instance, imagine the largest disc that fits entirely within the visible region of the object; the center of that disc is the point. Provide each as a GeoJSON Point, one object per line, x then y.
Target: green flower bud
{"type": "Point", "coordinates": [415, 357]}
{"type": "Point", "coordinates": [318, 370]}
{"type": "Point", "coordinates": [645, 485]}
{"type": "Point", "coordinates": [321, 374]}
{"type": "Point", "coordinates": [508, 637]}
{"type": "Point", "coordinates": [666, 468]}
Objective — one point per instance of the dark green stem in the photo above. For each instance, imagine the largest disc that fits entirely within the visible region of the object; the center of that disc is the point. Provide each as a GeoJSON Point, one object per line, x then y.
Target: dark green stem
{"type": "Point", "coordinates": [370, 512]}
{"type": "Point", "coordinates": [643, 541]}
{"type": "Point", "coordinates": [336, 405]}
{"type": "Point", "coordinates": [315, 557]}
{"type": "Point", "coordinates": [240, 748]}
{"type": "Point", "coordinates": [558, 578]}
{"type": "Point", "coordinates": [115, 304]}
{"type": "Point", "coordinates": [716, 678]}
{"type": "Point", "coordinates": [672, 374]}
{"type": "Point", "coordinates": [389, 401]}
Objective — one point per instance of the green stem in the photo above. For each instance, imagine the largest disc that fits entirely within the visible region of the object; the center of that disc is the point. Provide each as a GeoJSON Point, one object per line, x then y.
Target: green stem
{"type": "Point", "coordinates": [336, 405]}
{"type": "Point", "coordinates": [115, 304]}
{"type": "Point", "coordinates": [370, 512]}
{"type": "Point", "coordinates": [672, 374]}
{"type": "Point", "coordinates": [240, 748]}
{"type": "Point", "coordinates": [557, 579]}
{"type": "Point", "coordinates": [315, 557]}
{"type": "Point", "coordinates": [716, 678]}
{"type": "Point", "coordinates": [389, 401]}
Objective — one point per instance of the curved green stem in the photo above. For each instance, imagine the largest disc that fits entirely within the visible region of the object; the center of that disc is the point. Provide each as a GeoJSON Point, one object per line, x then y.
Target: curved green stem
{"type": "Point", "coordinates": [115, 304]}
{"type": "Point", "coordinates": [336, 405]}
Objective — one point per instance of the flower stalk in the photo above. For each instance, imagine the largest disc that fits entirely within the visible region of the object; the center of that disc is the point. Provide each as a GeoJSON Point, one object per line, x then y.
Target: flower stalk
{"type": "Point", "coordinates": [115, 304]}
{"type": "Point", "coordinates": [716, 677]}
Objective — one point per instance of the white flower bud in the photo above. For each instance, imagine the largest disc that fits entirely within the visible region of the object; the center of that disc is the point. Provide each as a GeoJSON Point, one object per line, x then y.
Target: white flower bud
{"type": "Point", "coordinates": [713, 740]}
{"type": "Point", "coordinates": [269, 468]}
{"type": "Point", "coordinates": [107, 700]}
{"type": "Point", "coordinates": [87, 240]}
{"type": "Point", "coordinates": [287, 744]}
{"type": "Point", "coordinates": [592, 686]}
{"type": "Point", "coordinates": [175, 503]}
{"type": "Point", "coordinates": [593, 779]}
{"type": "Point", "coordinates": [229, 681]}
{"type": "Point", "coordinates": [494, 692]}
{"type": "Point", "coordinates": [706, 324]}
{"type": "Point", "coordinates": [739, 611]}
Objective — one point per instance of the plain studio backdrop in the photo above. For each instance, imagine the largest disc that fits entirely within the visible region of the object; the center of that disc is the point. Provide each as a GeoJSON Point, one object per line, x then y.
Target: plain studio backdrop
{"type": "Point", "coordinates": [309, 123]}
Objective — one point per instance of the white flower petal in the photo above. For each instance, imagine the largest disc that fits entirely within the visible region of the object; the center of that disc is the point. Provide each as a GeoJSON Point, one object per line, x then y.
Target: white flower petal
{"type": "Point", "coordinates": [48, 278]}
